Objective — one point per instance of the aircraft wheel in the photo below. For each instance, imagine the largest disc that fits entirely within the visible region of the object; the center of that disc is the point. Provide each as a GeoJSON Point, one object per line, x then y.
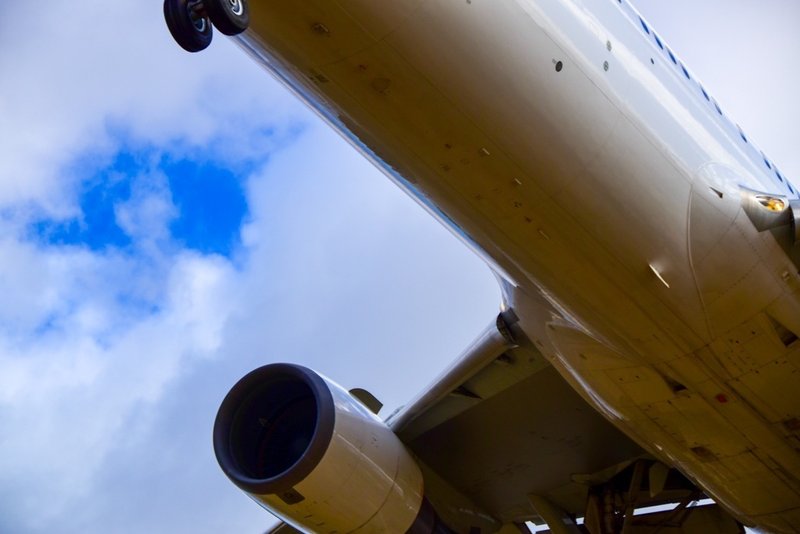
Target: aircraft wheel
{"type": "Point", "coordinates": [231, 17]}
{"type": "Point", "coordinates": [189, 26]}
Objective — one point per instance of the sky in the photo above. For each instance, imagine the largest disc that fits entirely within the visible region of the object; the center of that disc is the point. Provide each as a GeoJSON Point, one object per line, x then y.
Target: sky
{"type": "Point", "coordinates": [170, 221]}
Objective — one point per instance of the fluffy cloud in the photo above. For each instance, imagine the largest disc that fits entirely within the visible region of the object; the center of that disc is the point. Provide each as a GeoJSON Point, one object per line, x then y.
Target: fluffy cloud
{"type": "Point", "coordinates": [75, 76]}
{"type": "Point", "coordinates": [91, 341]}
{"type": "Point", "coordinates": [69, 392]}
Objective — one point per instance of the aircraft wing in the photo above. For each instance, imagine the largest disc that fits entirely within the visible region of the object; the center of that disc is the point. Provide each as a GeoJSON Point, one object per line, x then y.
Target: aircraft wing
{"type": "Point", "coordinates": [501, 425]}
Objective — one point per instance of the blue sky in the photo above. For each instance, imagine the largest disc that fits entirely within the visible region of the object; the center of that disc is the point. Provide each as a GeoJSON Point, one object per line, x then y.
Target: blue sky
{"type": "Point", "coordinates": [170, 221]}
{"type": "Point", "coordinates": [205, 201]}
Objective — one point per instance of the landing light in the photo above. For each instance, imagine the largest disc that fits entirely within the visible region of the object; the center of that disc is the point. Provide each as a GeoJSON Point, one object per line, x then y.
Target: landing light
{"type": "Point", "coordinates": [773, 204]}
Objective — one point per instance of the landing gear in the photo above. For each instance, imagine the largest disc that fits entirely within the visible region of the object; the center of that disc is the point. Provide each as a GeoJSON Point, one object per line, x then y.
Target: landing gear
{"type": "Point", "coordinates": [611, 505]}
{"type": "Point", "coordinates": [190, 21]}
{"type": "Point", "coordinates": [231, 17]}
{"type": "Point", "coordinates": [189, 26]}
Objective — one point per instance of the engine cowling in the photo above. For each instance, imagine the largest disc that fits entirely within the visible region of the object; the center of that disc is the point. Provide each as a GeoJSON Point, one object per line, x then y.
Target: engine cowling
{"type": "Point", "coordinates": [307, 451]}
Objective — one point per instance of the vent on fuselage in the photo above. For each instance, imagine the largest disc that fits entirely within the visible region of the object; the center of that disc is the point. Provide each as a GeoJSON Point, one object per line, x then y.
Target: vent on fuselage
{"type": "Point", "coordinates": [786, 336]}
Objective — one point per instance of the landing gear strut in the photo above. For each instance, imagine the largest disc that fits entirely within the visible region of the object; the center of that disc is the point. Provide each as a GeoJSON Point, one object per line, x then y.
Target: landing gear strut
{"type": "Point", "coordinates": [190, 21]}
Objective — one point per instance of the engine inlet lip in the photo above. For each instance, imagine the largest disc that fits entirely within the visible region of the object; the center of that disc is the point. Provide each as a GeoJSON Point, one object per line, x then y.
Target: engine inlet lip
{"type": "Point", "coordinates": [308, 461]}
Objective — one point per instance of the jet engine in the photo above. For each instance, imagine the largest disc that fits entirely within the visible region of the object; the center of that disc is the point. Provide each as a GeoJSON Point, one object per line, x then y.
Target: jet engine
{"type": "Point", "coordinates": [307, 451]}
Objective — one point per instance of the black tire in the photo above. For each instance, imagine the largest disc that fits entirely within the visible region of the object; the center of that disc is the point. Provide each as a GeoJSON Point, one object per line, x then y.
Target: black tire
{"type": "Point", "coordinates": [192, 32]}
{"type": "Point", "coordinates": [230, 17]}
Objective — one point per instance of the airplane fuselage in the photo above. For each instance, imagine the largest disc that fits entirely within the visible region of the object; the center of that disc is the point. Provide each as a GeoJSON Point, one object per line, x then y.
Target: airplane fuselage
{"type": "Point", "coordinates": [568, 146]}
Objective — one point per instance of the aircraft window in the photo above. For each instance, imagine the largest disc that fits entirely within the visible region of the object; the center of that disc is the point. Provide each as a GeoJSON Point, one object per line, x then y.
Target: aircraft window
{"type": "Point", "coordinates": [718, 108]}
{"type": "Point", "coordinates": [660, 44]}
{"type": "Point", "coordinates": [705, 94]}
{"type": "Point", "coordinates": [790, 188]}
{"type": "Point", "coordinates": [685, 72]}
{"type": "Point", "coordinates": [672, 56]}
{"type": "Point", "coordinates": [646, 29]}
{"type": "Point", "coordinates": [741, 133]}
{"type": "Point", "coordinates": [779, 176]}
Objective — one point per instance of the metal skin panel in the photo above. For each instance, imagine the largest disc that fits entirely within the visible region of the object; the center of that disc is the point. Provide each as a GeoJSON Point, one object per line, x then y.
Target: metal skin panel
{"type": "Point", "coordinates": [584, 186]}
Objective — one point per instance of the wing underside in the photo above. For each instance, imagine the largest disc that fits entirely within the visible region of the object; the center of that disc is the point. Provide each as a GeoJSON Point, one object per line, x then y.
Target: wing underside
{"type": "Point", "coordinates": [511, 427]}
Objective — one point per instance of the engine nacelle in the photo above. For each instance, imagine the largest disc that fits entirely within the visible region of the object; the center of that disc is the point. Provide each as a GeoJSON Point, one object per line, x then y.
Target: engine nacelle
{"type": "Point", "coordinates": [307, 451]}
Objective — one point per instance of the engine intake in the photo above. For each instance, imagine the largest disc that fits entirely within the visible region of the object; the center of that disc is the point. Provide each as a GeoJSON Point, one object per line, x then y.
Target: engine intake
{"type": "Point", "coordinates": [305, 449]}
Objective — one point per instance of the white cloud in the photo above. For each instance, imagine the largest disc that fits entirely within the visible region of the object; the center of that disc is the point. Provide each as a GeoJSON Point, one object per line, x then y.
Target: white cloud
{"type": "Point", "coordinates": [90, 341]}
{"type": "Point", "coordinates": [70, 393]}
{"type": "Point", "coordinates": [76, 76]}
{"type": "Point", "coordinates": [146, 215]}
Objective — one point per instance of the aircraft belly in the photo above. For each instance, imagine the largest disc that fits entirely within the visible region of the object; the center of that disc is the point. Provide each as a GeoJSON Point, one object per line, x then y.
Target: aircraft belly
{"type": "Point", "coordinates": [513, 141]}
{"type": "Point", "coordinates": [487, 142]}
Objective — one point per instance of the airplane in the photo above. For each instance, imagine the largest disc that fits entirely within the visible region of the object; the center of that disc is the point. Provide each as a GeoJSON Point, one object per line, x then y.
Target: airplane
{"type": "Point", "coordinates": [646, 351]}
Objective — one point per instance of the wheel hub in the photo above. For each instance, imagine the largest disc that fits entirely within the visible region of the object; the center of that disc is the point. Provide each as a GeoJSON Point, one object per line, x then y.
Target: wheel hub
{"type": "Point", "coordinates": [198, 15]}
{"type": "Point", "coordinates": [237, 7]}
